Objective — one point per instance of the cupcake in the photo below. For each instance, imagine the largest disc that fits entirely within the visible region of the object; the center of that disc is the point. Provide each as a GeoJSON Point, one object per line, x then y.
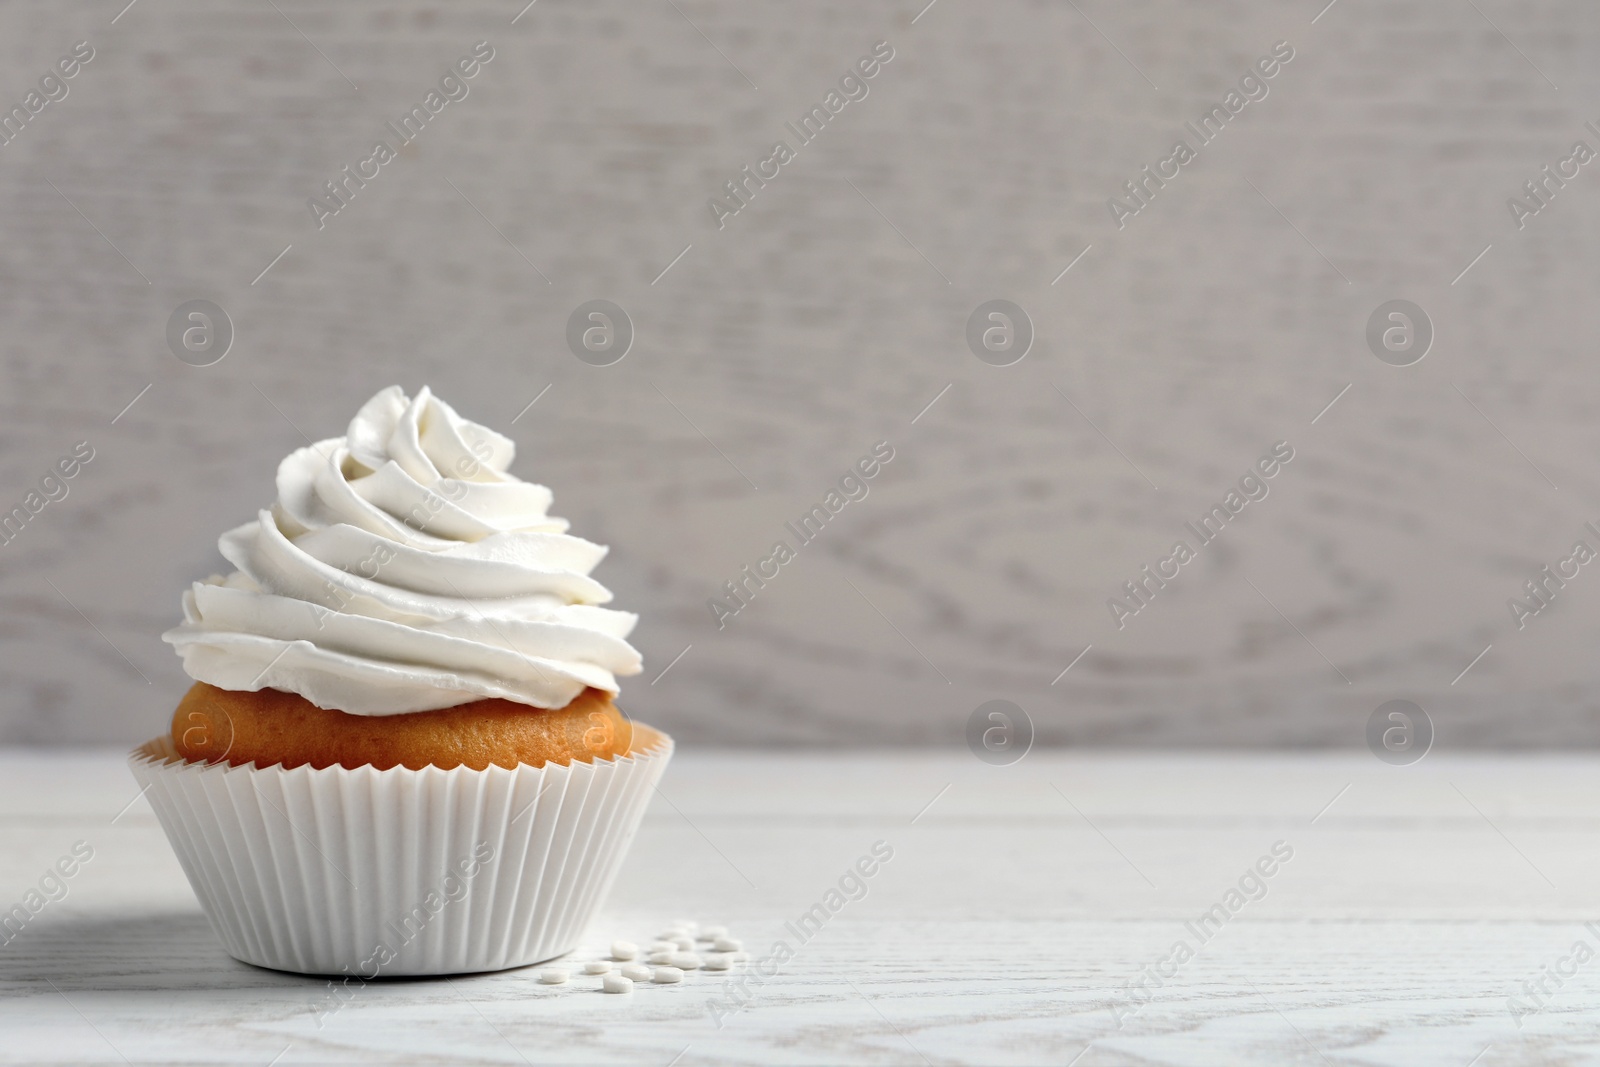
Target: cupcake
{"type": "Point", "coordinates": [402, 754]}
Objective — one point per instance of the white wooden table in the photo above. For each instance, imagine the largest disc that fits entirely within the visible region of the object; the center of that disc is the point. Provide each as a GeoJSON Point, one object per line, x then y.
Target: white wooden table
{"type": "Point", "coordinates": [1006, 928]}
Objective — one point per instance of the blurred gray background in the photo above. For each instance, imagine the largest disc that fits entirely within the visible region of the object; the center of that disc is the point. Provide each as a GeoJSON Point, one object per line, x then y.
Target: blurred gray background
{"type": "Point", "coordinates": [824, 318]}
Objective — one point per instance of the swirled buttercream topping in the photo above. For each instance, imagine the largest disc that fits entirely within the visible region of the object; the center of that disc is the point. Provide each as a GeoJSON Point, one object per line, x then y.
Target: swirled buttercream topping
{"type": "Point", "coordinates": [403, 569]}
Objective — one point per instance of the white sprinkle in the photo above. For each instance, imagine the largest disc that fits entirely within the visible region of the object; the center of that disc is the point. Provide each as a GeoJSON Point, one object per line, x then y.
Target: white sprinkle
{"type": "Point", "coordinates": [597, 967]}
{"type": "Point", "coordinates": [553, 976]}
{"type": "Point", "coordinates": [667, 975]}
{"type": "Point", "coordinates": [728, 944]}
{"type": "Point", "coordinates": [711, 933]}
{"type": "Point", "coordinates": [615, 983]}
{"type": "Point", "coordinates": [686, 961]}
{"type": "Point", "coordinates": [716, 962]}
{"type": "Point", "coordinates": [624, 950]}
{"type": "Point", "coordinates": [684, 943]}
{"type": "Point", "coordinates": [636, 972]}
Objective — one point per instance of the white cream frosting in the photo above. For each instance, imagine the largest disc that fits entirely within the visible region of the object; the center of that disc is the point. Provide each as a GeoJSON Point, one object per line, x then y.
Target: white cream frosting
{"type": "Point", "coordinates": [402, 569]}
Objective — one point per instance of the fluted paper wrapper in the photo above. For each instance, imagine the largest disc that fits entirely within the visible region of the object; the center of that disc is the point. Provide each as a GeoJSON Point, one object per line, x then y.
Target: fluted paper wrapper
{"type": "Point", "coordinates": [400, 872]}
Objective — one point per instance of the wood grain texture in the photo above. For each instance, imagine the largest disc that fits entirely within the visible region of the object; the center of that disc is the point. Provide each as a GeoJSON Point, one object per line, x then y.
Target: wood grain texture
{"type": "Point", "coordinates": [1004, 930]}
{"type": "Point", "coordinates": [824, 318]}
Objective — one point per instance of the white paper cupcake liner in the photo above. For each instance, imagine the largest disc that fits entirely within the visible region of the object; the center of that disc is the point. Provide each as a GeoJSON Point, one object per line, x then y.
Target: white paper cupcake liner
{"type": "Point", "coordinates": [400, 872]}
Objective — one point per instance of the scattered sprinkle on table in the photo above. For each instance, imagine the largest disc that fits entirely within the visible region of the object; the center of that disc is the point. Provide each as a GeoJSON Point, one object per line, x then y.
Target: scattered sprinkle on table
{"type": "Point", "coordinates": [670, 956]}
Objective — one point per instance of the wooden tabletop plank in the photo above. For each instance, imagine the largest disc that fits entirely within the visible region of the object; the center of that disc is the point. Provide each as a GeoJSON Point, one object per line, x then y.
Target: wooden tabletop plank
{"type": "Point", "coordinates": [1012, 925]}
